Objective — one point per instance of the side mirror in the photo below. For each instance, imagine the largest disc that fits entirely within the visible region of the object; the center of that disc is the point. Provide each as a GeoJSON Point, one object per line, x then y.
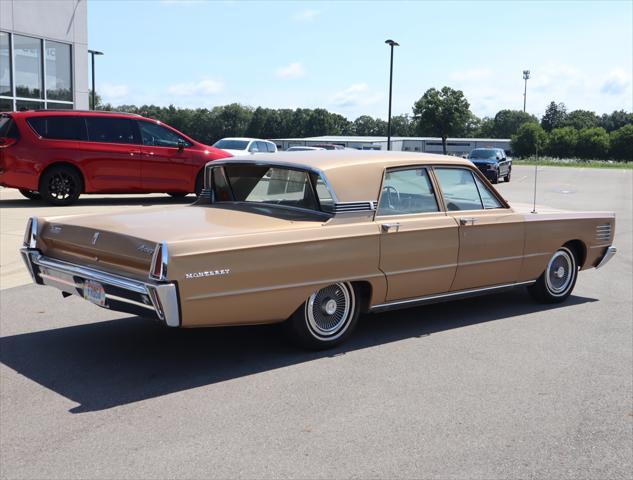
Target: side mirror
{"type": "Point", "coordinates": [181, 146]}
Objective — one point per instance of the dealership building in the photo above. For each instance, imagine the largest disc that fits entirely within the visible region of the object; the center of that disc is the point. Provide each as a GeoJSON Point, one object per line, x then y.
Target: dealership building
{"type": "Point", "coordinates": [454, 146]}
{"type": "Point", "coordinates": [43, 54]}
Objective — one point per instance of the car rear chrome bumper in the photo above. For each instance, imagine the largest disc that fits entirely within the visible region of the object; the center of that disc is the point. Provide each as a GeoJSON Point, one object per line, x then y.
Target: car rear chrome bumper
{"type": "Point", "coordinates": [122, 294]}
{"type": "Point", "coordinates": [608, 255]}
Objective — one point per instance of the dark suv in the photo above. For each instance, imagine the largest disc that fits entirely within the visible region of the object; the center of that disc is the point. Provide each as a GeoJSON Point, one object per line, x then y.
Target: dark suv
{"type": "Point", "coordinates": [492, 162]}
{"type": "Point", "coordinates": [58, 155]}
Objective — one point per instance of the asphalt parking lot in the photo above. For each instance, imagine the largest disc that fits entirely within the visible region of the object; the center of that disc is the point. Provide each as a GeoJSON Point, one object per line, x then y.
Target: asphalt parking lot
{"type": "Point", "coordinates": [492, 387]}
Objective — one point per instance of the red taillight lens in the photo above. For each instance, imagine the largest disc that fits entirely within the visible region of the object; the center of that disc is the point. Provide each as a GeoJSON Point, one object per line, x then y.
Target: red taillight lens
{"type": "Point", "coordinates": [7, 141]}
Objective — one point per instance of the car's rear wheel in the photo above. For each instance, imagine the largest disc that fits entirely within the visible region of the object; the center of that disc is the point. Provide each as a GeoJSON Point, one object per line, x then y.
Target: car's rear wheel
{"type": "Point", "coordinates": [326, 318]}
{"type": "Point", "coordinates": [559, 278]}
{"type": "Point", "coordinates": [30, 194]}
{"type": "Point", "coordinates": [61, 185]}
{"type": "Point", "coordinates": [507, 179]}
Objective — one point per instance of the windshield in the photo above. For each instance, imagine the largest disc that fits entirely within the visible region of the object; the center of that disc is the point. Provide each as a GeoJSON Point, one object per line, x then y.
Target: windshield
{"type": "Point", "coordinates": [269, 185]}
{"type": "Point", "coordinates": [483, 154]}
{"type": "Point", "coordinates": [231, 144]}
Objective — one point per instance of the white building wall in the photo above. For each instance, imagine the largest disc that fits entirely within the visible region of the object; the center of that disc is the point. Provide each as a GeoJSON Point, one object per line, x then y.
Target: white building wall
{"type": "Point", "coordinates": [64, 21]}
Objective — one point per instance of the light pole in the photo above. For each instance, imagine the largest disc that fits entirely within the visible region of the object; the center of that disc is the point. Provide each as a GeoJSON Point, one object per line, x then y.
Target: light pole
{"type": "Point", "coordinates": [526, 75]}
{"type": "Point", "coordinates": [392, 44]}
{"type": "Point", "coordinates": [92, 55]}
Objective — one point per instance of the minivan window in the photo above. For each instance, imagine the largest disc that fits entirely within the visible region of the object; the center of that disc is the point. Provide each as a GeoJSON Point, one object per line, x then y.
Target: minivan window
{"type": "Point", "coordinates": [231, 144]}
{"type": "Point", "coordinates": [59, 127]}
{"type": "Point", "coordinates": [112, 130]}
{"type": "Point", "coordinates": [459, 189]}
{"type": "Point", "coordinates": [271, 147]}
{"type": "Point", "coordinates": [262, 147]}
{"type": "Point", "coordinates": [158, 136]}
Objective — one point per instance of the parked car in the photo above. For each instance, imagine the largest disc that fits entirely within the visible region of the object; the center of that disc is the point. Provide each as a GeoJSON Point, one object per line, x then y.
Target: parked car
{"type": "Point", "coordinates": [302, 148]}
{"type": "Point", "coordinates": [245, 146]}
{"type": "Point", "coordinates": [316, 241]}
{"type": "Point", "coordinates": [329, 146]}
{"type": "Point", "coordinates": [58, 155]}
{"type": "Point", "coordinates": [492, 162]}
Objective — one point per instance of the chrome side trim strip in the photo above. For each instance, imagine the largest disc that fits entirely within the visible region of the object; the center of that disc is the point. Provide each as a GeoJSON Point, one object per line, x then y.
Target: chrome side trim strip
{"type": "Point", "coordinates": [611, 251]}
{"type": "Point", "coordinates": [431, 298]}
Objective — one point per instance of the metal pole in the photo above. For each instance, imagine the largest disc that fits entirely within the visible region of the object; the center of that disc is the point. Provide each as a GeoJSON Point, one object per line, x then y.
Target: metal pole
{"type": "Point", "coordinates": [535, 177]}
{"type": "Point", "coordinates": [390, 90]}
{"type": "Point", "coordinates": [92, 54]}
{"type": "Point", "coordinates": [524, 94]}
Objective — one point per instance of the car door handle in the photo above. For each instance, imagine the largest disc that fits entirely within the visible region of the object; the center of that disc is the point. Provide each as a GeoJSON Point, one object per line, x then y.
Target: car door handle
{"type": "Point", "coordinates": [387, 227]}
{"type": "Point", "coordinates": [467, 220]}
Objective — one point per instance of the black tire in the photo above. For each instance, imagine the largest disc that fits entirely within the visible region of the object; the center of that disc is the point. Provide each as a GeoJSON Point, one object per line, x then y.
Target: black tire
{"type": "Point", "coordinates": [326, 319]}
{"type": "Point", "coordinates": [30, 194]}
{"type": "Point", "coordinates": [507, 179]}
{"type": "Point", "coordinates": [61, 185]}
{"type": "Point", "coordinates": [559, 278]}
{"type": "Point", "coordinates": [495, 179]}
{"type": "Point", "coordinates": [178, 194]}
{"type": "Point", "coordinates": [199, 183]}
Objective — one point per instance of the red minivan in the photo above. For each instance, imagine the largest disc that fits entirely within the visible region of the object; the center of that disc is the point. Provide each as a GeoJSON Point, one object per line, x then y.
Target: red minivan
{"type": "Point", "coordinates": [58, 155]}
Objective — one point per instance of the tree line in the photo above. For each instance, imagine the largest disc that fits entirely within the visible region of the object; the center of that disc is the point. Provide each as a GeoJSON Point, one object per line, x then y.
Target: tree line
{"type": "Point", "coordinates": [440, 113]}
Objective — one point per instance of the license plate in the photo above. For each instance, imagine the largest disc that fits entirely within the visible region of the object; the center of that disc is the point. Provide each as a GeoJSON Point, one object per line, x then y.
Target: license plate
{"type": "Point", "coordinates": [94, 292]}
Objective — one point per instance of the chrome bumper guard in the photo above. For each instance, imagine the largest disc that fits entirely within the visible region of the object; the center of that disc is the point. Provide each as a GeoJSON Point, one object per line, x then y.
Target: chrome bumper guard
{"type": "Point", "coordinates": [154, 300]}
{"type": "Point", "coordinates": [608, 255]}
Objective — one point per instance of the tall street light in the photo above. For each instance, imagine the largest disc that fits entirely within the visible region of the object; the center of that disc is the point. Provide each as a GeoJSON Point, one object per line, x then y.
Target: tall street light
{"type": "Point", "coordinates": [392, 44]}
{"type": "Point", "coordinates": [526, 75]}
{"type": "Point", "coordinates": [92, 55]}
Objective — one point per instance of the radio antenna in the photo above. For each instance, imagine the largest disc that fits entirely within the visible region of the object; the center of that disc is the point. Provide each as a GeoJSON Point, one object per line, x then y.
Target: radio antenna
{"type": "Point", "coordinates": [535, 177]}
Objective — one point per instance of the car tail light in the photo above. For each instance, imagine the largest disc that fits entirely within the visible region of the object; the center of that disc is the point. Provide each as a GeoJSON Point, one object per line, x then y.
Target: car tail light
{"type": "Point", "coordinates": [30, 234]}
{"type": "Point", "coordinates": [158, 268]}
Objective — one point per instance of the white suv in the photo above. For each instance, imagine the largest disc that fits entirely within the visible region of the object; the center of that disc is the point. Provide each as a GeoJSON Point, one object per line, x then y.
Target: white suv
{"type": "Point", "coordinates": [245, 146]}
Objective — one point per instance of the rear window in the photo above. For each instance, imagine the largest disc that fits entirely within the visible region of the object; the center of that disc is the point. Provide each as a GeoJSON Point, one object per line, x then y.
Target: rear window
{"type": "Point", "coordinates": [231, 144]}
{"type": "Point", "coordinates": [59, 128]}
{"type": "Point", "coordinates": [112, 130]}
{"type": "Point", "coordinates": [8, 128]}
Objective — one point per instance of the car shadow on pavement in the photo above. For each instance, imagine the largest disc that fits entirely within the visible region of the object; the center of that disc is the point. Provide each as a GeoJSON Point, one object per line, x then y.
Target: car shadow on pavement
{"type": "Point", "coordinates": [88, 201]}
{"type": "Point", "coordinates": [117, 362]}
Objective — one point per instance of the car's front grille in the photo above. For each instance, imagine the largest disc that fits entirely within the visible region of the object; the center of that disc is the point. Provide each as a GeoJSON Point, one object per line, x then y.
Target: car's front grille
{"type": "Point", "coordinates": [603, 232]}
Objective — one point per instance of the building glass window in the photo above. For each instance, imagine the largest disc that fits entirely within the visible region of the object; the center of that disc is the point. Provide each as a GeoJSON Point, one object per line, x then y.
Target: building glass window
{"type": "Point", "coordinates": [6, 105]}
{"type": "Point", "coordinates": [58, 72]}
{"type": "Point", "coordinates": [27, 56]}
{"type": "Point", "coordinates": [59, 106]}
{"type": "Point", "coordinates": [6, 87]}
{"type": "Point", "coordinates": [28, 105]}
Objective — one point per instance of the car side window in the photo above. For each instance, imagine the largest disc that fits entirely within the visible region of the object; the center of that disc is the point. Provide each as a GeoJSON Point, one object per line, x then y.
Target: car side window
{"type": "Point", "coordinates": [271, 147]}
{"type": "Point", "coordinates": [59, 127]}
{"type": "Point", "coordinates": [406, 192]}
{"type": "Point", "coordinates": [112, 130]}
{"type": "Point", "coordinates": [487, 198]}
{"type": "Point", "coordinates": [263, 148]}
{"type": "Point", "coordinates": [158, 136]}
{"type": "Point", "coordinates": [459, 189]}
{"type": "Point", "coordinates": [254, 148]}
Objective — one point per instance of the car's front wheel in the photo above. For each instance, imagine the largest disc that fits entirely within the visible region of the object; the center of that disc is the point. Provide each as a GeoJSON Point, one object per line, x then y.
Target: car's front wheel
{"type": "Point", "coordinates": [326, 318]}
{"type": "Point", "coordinates": [557, 281]}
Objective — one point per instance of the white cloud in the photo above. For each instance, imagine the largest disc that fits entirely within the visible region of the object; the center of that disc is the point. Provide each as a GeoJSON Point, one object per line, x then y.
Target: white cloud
{"type": "Point", "coordinates": [113, 93]}
{"type": "Point", "coordinates": [306, 15]}
{"type": "Point", "coordinates": [470, 74]}
{"type": "Point", "coordinates": [616, 83]}
{"type": "Point", "coordinates": [356, 95]}
{"type": "Point", "coordinates": [293, 70]}
{"type": "Point", "coordinates": [203, 87]}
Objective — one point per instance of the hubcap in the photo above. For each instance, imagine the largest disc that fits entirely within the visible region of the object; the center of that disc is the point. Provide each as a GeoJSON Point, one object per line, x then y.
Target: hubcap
{"type": "Point", "coordinates": [560, 272]}
{"type": "Point", "coordinates": [61, 186]}
{"type": "Point", "coordinates": [328, 311]}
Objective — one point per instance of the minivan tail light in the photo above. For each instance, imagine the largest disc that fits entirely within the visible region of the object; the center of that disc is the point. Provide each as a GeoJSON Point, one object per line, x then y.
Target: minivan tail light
{"type": "Point", "coordinates": [158, 268]}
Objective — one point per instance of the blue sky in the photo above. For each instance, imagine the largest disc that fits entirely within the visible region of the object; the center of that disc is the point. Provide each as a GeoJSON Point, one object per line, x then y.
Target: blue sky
{"type": "Point", "coordinates": [332, 54]}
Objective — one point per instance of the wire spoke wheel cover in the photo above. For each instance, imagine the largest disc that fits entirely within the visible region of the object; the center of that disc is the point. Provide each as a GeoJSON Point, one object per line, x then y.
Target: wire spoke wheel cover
{"type": "Point", "coordinates": [328, 312]}
{"type": "Point", "coordinates": [560, 272]}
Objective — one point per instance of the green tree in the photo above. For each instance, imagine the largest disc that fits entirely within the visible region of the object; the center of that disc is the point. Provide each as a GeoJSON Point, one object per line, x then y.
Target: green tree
{"type": "Point", "coordinates": [402, 126]}
{"type": "Point", "coordinates": [442, 113]}
{"type": "Point", "coordinates": [507, 122]}
{"type": "Point", "coordinates": [622, 143]}
{"type": "Point", "coordinates": [486, 128]}
{"type": "Point", "coordinates": [592, 143]}
{"type": "Point", "coordinates": [580, 119]}
{"type": "Point", "coordinates": [258, 120]}
{"type": "Point", "coordinates": [555, 116]}
{"type": "Point", "coordinates": [615, 120]}
{"type": "Point", "coordinates": [530, 139]}
{"type": "Point", "coordinates": [562, 142]}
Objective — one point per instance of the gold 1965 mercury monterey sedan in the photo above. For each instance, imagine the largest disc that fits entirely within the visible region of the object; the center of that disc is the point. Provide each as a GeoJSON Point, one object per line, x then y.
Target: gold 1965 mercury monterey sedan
{"type": "Point", "coordinates": [314, 238]}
